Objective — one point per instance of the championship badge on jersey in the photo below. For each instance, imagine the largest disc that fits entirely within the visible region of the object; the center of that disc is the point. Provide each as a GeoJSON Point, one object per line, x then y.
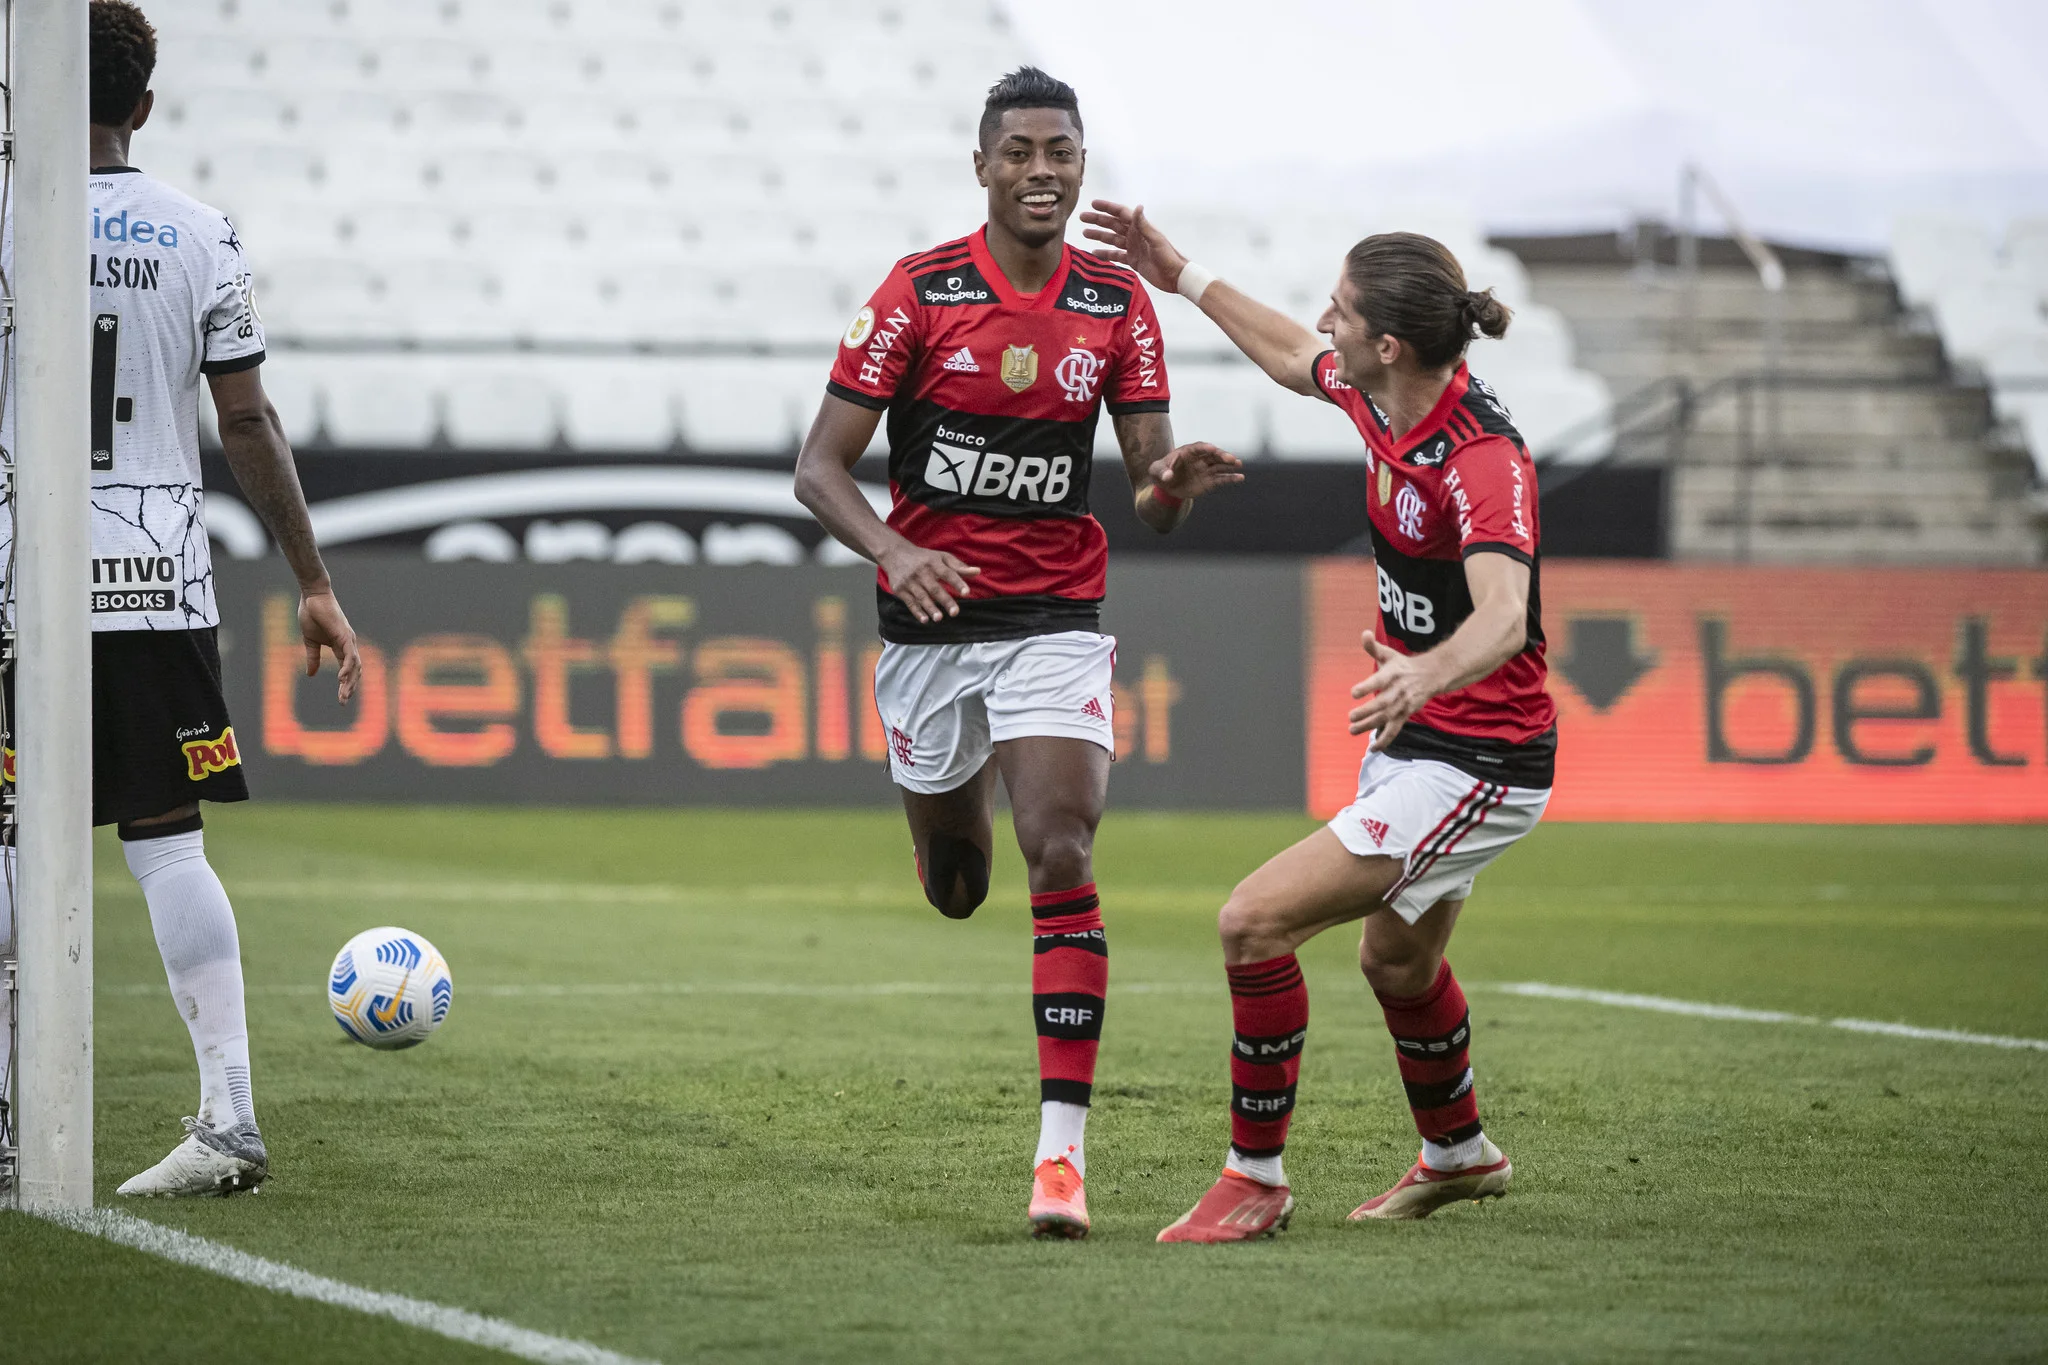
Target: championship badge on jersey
{"type": "Point", "coordinates": [1386, 484]}
{"type": "Point", "coordinates": [1020, 367]}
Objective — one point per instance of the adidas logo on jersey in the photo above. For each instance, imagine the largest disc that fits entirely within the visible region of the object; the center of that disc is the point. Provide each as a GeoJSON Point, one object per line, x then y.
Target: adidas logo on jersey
{"type": "Point", "coordinates": [963, 361]}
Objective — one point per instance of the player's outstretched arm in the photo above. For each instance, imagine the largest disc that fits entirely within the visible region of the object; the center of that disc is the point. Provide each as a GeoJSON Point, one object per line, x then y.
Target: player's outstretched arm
{"type": "Point", "coordinates": [929, 582]}
{"type": "Point", "coordinates": [1276, 343]}
{"type": "Point", "coordinates": [1495, 632]}
{"type": "Point", "coordinates": [254, 442]}
{"type": "Point", "coordinates": [1166, 479]}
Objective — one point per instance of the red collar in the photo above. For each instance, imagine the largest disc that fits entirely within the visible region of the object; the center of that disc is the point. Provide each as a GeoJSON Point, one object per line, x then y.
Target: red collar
{"type": "Point", "coordinates": [1454, 394]}
{"type": "Point", "coordinates": [1006, 293]}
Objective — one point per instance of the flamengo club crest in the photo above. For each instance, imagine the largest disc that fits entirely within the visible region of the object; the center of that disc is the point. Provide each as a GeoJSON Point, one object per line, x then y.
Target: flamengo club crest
{"type": "Point", "coordinates": [1078, 373]}
{"type": "Point", "coordinates": [1020, 367]}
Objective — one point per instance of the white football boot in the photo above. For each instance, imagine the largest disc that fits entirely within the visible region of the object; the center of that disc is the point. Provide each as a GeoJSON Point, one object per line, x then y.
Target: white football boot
{"type": "Point", "coordinates": [209, 1162]}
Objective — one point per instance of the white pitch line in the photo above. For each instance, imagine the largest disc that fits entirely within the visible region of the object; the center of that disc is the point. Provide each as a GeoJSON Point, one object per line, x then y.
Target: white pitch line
{"type": "Point", "coordinates": [457, 1324]}
{"type": "Point", "coordinates": [829, 990]}
{"type": "Point", "coordinates": [1698, 1009]}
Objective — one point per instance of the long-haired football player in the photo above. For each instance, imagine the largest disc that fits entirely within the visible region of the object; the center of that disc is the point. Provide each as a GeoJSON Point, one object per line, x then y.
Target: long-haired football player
{"type": "Point", "coordinates": [1464, 735]}
{"type": "Point", "coordinates": [993, 356]}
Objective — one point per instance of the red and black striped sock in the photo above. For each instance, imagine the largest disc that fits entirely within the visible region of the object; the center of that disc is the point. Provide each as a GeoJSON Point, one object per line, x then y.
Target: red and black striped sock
{"type": "Point", "coordinates": [1269, 1010]}
{"type": "Point", "coordinates": [1069, 978]}
{"type": "Point", "coordinates": [1431, 1032]}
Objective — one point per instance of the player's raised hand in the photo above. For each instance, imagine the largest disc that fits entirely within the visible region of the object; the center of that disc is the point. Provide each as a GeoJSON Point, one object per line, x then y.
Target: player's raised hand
{"type": "Point", "coordinates": [322, 624]}
{"type": "Point", "coordinates": [1130, 239]}
{"type": "Point", "coordinates": [1399, 685]}
{"type": "Point", "coordinates": [926, 581]}
{"type": "Point", "coordinates": [1194, 469]}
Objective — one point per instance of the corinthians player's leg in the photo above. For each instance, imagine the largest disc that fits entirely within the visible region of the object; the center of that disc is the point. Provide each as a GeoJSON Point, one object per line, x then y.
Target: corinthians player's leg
{"type": "Point", "coordinates": [162, 742]}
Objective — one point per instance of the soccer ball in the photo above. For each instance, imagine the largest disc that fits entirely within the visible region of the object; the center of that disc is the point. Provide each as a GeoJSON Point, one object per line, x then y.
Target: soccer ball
{"type": "Point", "coordinates": [389, 988]}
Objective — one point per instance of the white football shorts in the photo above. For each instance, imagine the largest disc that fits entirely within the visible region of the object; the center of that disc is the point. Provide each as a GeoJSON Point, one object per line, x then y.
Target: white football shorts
{"type": "Point", "coordinates": [1443, 823]}
{"type": "Point", "coordinates": [945, 707]}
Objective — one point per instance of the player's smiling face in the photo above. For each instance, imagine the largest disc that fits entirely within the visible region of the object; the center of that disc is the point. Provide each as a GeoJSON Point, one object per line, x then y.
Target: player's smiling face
{"type": "Point", "coordinates": [1032, 172]}
{"type": "Point", "coordinates": [1364, 356]}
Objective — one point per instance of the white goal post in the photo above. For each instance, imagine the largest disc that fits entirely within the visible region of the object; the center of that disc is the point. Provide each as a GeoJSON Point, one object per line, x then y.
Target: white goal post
{"type": "Point", "coordinates": [53, 684]}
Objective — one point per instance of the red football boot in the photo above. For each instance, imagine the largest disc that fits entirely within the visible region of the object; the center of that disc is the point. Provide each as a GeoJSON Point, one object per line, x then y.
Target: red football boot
{"type": "Point", "coordinates": [1237, 1208]}
{"type": "Point", "coordinates": [1423, 1191]}
{"type": "Point", "coordinates": [1059, 1207]}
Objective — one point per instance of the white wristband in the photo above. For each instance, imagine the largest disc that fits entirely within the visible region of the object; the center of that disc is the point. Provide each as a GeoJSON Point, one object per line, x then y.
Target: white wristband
{"type": "Point", "coordinates": [1194, 281]}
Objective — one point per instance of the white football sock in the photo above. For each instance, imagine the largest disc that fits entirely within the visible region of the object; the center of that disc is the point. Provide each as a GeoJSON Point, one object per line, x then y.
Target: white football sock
{"type": "Point", "coordinates": [1267, 1170]}
{"type": "Point", "coordinates": [1455, 1157]}
{"type": "Point", "coordinates": [195, 932]}
{"type": "Point", "coordinates": [1062, 1126]}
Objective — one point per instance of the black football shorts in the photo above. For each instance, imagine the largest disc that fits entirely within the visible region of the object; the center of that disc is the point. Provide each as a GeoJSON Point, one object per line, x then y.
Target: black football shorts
{"type": "Point", "coordinates": [161, 738]}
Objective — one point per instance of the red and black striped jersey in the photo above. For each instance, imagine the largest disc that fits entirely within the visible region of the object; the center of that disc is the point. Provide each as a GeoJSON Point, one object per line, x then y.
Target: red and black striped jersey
{"type": "Point", "coordinates": [993, 398]}
{"type": "Point", "coordinates": [1460, 483]}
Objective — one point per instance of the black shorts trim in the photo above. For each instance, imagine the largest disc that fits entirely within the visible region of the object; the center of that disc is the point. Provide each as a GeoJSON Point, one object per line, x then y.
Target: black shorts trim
{"type": "Point", "coordinates": [234, 365]}
{"type": "Point", "coordinates": [987, 618]}
{"type": "Point", "coordinates": [855, 396]}
{"type": "Point", "coordinates": [161, 736]}
{"type": "Point", "coordinates": [1532, 763]}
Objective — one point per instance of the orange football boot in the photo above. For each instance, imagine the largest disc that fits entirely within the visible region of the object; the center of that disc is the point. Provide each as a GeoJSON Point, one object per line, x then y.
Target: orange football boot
{"type": "Point", "coordinates": [1237, 1208]}
{"type": "Point", "coordinates": [1423, 1191]}
{"type": "Point", "coordinates": [1059, 1206]}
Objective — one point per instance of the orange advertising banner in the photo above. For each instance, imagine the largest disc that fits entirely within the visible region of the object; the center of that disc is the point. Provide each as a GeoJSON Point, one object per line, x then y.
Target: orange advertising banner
{"type": "Point", "coordinates": [1753, 693]}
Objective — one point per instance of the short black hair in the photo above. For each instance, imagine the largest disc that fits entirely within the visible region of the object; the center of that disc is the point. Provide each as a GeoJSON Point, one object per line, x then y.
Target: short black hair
{"type": "Point", "coordinates": [1025, 88]}
{"type": "Point", "coordinates": [123, 59]}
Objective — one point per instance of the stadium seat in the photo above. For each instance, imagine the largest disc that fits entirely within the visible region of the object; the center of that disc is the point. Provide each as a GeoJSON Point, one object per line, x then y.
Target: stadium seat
{"type": "Point", "coordinates": [1930, 251]}
{"type": "Point", "coordinates": [323, 297]}
{"type": "Point", "coordinates": [745, 406]}
{"type": "Point", "coordinates": [1973, 314]}
{"type": "Point", "coordinates": [380, 402]}
{"type": "Point", "coordinates": [615, 405]}
{"type": "Point", "coordinates": [499, 403]}
{"type": "Point", "coordinates": [1563, 415]}
{"type": "Point", "coordinates": [1303, 427]}
{"type": "Point", "coordinates": [291, 380]}
{"type": "Point", "coordinates": [1538, 339]}
{"type": "Point", "coordinates": [1221, 404]}
{"type": "Point", "coordinates": [2026, 254]}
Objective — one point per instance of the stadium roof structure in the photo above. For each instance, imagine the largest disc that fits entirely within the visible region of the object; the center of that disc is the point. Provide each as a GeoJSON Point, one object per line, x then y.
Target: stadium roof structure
{"type": "Point", "coordinates": [1822, 118]}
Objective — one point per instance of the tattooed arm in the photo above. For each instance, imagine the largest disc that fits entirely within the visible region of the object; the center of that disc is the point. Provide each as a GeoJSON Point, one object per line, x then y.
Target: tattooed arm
{"type": "Point", "coordinates": [253, 440]}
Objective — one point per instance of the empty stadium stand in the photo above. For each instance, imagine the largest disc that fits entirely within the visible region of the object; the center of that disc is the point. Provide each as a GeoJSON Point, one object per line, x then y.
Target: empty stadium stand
{"type": "Point", "coordinates": [638, 225]}
{"type": "Point", "coordinates": [1870, 447]}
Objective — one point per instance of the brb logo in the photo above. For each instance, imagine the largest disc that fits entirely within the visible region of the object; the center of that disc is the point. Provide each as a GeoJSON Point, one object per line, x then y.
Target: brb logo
{"type": "Point", "coordinates": [961, 463]}
{"type": "Point", "coordinates": [1408, 511]}
{"type": "Point", "coordinates": [206, 757]}
{"type": "Point", "coordinates": [1078, 374]}
{"type": "Point", "coordinates": [1411, 611]}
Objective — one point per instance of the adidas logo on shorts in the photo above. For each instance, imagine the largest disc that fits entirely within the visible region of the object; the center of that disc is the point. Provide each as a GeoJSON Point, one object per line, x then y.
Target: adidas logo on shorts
{"type": "Point", "coordinates": [963, 361]}
{"type": "Point", "coordinates": [1093, 710]}
{"type": "Point", "coordinates": [1376, 830]}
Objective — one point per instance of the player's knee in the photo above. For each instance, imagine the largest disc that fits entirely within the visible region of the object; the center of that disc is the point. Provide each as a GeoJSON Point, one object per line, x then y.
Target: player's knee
{"type": "Point", "coordinates": [955, 875]}
{"type": "Point", "coordinates": [1245, 925]}
{"type": "Point", "coordinates": [1397, 968]}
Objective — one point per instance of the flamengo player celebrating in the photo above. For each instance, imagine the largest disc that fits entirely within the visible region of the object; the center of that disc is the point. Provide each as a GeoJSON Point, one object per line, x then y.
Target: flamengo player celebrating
{"type": "Point", "coordinates": [1464, 735]}
{"type": "Point", "coordinates": [992, 356]}
{"type": "Point", "coordinates": [171, 303]}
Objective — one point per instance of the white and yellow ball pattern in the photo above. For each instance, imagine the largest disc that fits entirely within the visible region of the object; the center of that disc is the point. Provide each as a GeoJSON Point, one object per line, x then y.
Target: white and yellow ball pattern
{"type": "Point", "coordinates": [390, 988]}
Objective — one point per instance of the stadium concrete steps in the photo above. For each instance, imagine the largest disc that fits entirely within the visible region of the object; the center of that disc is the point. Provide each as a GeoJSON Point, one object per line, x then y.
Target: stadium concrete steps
{"type": "Point", "coordinates": [1912, 474]}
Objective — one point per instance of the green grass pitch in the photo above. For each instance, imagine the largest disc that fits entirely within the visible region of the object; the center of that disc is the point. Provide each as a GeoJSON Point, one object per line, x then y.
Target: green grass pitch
{"type": "Point", "coordinates": [667, 1115]}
